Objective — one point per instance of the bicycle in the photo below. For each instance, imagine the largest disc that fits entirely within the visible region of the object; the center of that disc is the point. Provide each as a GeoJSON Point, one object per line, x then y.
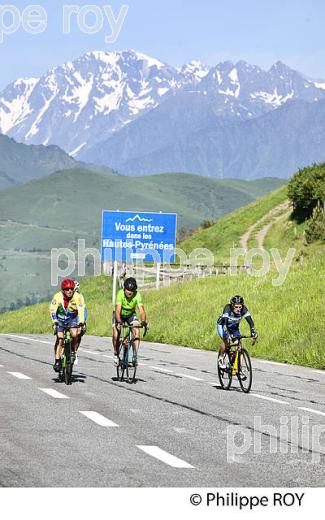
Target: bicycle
{"type": "Point", "coordinates": [67, 358]}
{"type": "Point", "coordinates": [238, 363]}
{"type": "Point", "coordinates": [127, 354]}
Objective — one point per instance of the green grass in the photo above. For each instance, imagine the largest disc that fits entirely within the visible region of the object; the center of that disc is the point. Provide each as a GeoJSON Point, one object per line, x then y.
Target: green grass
{"type": "Point", "coordinates": [186, 314]}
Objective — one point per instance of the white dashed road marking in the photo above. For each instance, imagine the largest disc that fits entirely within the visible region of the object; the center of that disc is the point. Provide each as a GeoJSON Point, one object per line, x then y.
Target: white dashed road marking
{"type": "Point", "coordinates": [269, 398]}
{"type": "Point", "coordinates": [54, 393]}
{"type": "Point", "coordinates": [19, 375]}
{"type": "Point", "coordinates": [162, 369]}
{"type": "Point", "coordinates": [189, 377]}
{"type": "Point", "coordinates": [28, 339]}
{"type": "Point", "coordinates": [99, 419]}
{"type": "Point", "coordinates": [311, 410]}
{"type": "Point", "coordinates": [165, 457]}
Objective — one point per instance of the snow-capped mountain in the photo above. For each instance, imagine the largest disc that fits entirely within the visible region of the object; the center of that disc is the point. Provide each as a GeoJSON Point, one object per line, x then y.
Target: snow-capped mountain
{"type": "Point", "coordinates": [82, 103]}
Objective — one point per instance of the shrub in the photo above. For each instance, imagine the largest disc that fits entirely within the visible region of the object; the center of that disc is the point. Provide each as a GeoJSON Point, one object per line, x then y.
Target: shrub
{"type": "Point", "coordinates": [315, 229]}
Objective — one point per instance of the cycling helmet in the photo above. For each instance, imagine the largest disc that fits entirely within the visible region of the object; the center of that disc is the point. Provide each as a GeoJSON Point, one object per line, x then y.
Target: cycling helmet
{"type": "Point", "coordinates": [130, 284]}
{"type": "Point", "coordinates": [67, 283]}
{"type": "Point", "coordinates": [239, 300]}
{"type": "Point", "coordinates": [76, 286]}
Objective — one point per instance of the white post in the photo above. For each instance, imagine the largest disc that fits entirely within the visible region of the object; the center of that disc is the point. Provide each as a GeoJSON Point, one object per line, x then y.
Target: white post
{"type": "Point", "coordinates": [158, 275]}
{"type": "Point", "coordinates": [114, 281]}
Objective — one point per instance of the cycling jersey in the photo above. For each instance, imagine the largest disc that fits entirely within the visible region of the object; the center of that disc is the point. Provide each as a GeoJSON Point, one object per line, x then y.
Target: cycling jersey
{"type": "Point", "coordinates": [68, 310]}
{"type": "Point", "coordinates": [128, 306]}
{"type": "Point", "coordinates": [231, 320]}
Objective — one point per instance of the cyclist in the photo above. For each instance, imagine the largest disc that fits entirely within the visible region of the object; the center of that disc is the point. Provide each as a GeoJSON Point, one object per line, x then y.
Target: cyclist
{"type": "Point", "coordinates": [228, 323]}
{"type": "Point", "coordinates": [81, 330]}
{"type": "Point", "coordinates": [127, 300]}
{"type": "Point", "coordinates": [66, 308]}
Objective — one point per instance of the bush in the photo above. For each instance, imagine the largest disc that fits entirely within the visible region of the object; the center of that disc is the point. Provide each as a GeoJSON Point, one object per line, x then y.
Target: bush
{"type": "Point", "coordinates": [315, 229]}
{"type": "Point", "coordinates": [306, 190]}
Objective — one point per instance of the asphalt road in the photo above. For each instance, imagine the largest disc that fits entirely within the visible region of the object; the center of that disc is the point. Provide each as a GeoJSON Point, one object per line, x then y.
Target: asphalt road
{"type": "Point", "coordinates": [174, 428]}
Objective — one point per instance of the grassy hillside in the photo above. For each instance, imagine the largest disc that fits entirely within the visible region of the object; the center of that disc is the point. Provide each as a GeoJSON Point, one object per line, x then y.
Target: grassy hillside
{"type": "Point", "coordinates": [226, 232]}
{"type": "Point", "coordinates": [58, 210]}
{"type": "Point", "coordinates": [51, 201]}
{"type": "Point", "coordinates": [186, 314]}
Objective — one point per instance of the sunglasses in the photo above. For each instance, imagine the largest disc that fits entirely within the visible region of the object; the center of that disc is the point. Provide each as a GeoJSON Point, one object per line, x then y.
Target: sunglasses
{"type": "Point", "coordinates": [66, 290]}
{"type": "Point", "coordinates": [238, 306]}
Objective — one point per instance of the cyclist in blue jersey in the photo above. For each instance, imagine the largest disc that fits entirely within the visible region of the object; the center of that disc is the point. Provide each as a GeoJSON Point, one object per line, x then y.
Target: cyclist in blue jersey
{"type": "Point", "coordinates": [229, 321]}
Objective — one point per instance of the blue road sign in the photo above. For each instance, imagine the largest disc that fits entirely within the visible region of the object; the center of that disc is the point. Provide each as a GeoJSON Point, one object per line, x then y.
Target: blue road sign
{"type": "Point", "coordinates": [130, 236]}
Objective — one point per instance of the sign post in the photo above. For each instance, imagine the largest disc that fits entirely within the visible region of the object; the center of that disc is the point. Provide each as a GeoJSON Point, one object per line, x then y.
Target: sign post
{"type": "Point", "coordinates": [129, 236]}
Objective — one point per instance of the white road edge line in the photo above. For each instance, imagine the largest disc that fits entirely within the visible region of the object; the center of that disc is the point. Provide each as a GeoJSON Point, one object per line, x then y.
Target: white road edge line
{"type": "Point", "coordinates": [19, 375]}
{"type": "Point", "coordinates": [109, 357]}
{"type": "Point", "coordinates": [54, 393]}
{"type": "Point", "coordinates": [92, 352]}
{"type": "Point", "coordinates": [165, 457]}
{"type": "Point", "coordinates": [29, 339]}
{"type": "Point", "coordinates": [1, 366]}
{"type": "Point", "coordinates": [99, 419]}
{"type": "Point", "coordinates": [269, 398]}
{"type": "Point", "coordinates": [311, 410]}
{"type": "Point", "coordinates": [162, 369]}
{"type": "Point", "coordinates": [190, 377]}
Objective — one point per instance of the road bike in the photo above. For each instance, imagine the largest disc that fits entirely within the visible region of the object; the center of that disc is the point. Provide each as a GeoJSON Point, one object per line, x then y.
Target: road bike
{"type": "Point", "coordinates": [237, 362]}
{"type": "Point", "coordinates": [127, 354]}
{"type": "Point", "coordinates": [67, 358]}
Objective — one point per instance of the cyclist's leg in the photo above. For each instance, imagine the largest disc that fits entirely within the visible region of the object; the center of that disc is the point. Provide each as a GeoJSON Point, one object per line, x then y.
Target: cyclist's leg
{"type": "Point", "coordinates": [224, 337]}
{"type": "Point", "coordinates": [116, 334]}
{"type": "Point", "coordinates": [58, 348]}
{"type": "Point", "coordinates": [74, 338]}
{"type": "Point", "coordinates": [135, 332]}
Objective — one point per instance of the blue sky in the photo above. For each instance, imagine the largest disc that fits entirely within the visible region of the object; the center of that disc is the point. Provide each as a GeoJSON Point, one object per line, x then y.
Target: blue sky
{"type": "Point", "coordinates": [258, 31]}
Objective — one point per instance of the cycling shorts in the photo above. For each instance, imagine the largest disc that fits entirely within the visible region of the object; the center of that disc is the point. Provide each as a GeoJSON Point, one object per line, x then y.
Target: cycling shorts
{"type": "Point", "coordinates": [72, 322]}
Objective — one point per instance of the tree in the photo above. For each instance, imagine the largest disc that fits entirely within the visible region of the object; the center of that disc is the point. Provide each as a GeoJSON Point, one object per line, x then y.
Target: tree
{"type": "Point", "coordinates": [306, 190]}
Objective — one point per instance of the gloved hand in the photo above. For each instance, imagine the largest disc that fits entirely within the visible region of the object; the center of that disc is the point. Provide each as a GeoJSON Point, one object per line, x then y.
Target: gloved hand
{"type": "Point", "coordinates": [83, 328]}
{"type": "Point", "coordinates": [119, 325]}
{"type": "Point", "coordinates": [55, 327]}
{"type": "Point", "coordinates": [144, 324]}
{"type": "Point", "coordinates": [254, 334]}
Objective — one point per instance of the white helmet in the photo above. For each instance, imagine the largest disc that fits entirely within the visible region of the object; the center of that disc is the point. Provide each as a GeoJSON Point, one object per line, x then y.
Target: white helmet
{"type": "Point", "coordinates": [76, 286]}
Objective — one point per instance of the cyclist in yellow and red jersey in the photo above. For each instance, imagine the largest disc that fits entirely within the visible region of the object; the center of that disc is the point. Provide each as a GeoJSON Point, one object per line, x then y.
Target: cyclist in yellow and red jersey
{"type": "Point", "coordinates": [67, 308]}
{"type": "Point", "coordinates": [127, 301]}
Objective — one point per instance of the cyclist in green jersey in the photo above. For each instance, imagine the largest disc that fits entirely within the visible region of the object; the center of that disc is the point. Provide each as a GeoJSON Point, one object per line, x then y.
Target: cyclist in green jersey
{"type": "Point", "coordinates": [127, 301]}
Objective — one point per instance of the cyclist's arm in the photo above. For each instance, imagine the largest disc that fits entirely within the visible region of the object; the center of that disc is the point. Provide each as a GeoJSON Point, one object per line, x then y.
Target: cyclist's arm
{"type": "Point", "coordinates": [118, 308]}
{"type": "Point", "coordinates": [142, 312]}
{"type": "Point", "coordinates": [249, 320]}
{"type": "Point", "coordinates": [81, 309]}
{"type": "Point", "coordinates": [53, 309]}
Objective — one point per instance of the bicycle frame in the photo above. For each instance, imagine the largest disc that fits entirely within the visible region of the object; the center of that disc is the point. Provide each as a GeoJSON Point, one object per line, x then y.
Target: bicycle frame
{"type": "Point", "coordinates": [234, 352]}
{"type": "Point", "coordinates": [125, 344]}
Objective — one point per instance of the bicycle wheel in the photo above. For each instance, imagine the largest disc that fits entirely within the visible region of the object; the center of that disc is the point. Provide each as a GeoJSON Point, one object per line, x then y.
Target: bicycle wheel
{"type": "Point", "coordinates": [225, 374]}
{"type": "Point", "coordinates": [132, 366]}
{"type": "Point", "coordinates": [123, 362]}
{"type": "Point", "coordinates": [68, 365]}
{"type": "Point", "coordinates": [68, 374]}
{"type": "Point", "coordinates": [119, 365]}
{"type": "Point", "coordinates": [244, 373]}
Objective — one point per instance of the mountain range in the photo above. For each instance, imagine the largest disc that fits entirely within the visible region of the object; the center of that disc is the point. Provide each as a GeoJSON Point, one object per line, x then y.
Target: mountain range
{"type": "Point", "coordinates": [139, 115]}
